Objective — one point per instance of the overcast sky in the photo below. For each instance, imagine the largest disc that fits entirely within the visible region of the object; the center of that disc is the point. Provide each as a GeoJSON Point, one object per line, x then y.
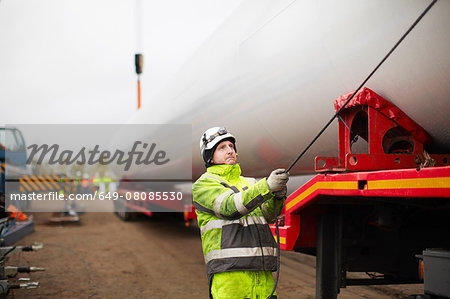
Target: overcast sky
{"type": "Point", "coordinates": [72, 61]}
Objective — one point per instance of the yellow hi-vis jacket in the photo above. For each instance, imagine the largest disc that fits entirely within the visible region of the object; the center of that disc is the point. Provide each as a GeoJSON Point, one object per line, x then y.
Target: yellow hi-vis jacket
{"type": "Point", "coordinates": [233, 214]}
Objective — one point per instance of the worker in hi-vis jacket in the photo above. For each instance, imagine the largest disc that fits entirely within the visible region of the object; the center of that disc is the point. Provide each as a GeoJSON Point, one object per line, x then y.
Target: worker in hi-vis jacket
{"type": "Point", "coordinates": [233, 214]}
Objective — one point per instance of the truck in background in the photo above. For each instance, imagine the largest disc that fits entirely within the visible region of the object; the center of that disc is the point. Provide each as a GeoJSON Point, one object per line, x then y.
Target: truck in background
{"type": "Point", "coordinates": [13, 158]}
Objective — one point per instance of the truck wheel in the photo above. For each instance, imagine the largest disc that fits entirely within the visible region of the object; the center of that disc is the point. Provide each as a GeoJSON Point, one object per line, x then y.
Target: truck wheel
{"type": "Point", "coordinates": [326, 258]}
{"type": "Point", "coordinates": [122, 211]}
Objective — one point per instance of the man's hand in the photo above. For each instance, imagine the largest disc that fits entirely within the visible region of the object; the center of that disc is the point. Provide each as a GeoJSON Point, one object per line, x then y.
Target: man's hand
{"type": "Point", "coordinates": [277, 180]}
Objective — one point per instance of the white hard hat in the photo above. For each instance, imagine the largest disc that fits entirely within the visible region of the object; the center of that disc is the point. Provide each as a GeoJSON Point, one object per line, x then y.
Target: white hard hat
{"type": "Point", "coordinates": [211, 138]}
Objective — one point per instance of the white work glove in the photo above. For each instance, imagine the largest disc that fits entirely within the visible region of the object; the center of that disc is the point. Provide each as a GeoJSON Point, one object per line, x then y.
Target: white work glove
{"type": "Point", "coordinates": [277, 180]}
{"type": "Point", "coordinates": [280, 194]}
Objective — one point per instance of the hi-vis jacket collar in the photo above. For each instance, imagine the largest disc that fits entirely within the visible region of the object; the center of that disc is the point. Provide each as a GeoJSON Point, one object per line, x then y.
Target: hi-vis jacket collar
{"type": "Point", "coordinates": [228, 172]}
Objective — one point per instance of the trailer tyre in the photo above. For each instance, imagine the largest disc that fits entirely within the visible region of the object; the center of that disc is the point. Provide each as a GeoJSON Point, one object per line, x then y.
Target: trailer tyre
{"type": "Point", "coordinates": [122, 211]}
{"type": "Point", "coordinates": [326, 258]}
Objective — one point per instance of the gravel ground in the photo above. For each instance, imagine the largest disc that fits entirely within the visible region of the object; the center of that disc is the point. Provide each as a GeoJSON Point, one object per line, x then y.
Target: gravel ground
{"type": "Point", "coordinates": [151, 257]}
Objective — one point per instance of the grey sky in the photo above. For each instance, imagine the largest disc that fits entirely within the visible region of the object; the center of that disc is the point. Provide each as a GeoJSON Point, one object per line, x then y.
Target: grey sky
{"type": "Point", "coordinates": [73, 61]}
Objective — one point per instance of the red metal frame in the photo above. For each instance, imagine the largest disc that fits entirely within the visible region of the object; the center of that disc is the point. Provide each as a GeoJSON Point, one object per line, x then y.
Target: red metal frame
{"type": "Point", "coordinates": [384, 172]}
{"type": "Point", "coordinates": [302, 206]}
{"type": "Point", "coordinates": [381, 124]}
{"type": "Point", "coordinates": [189, 214]}
{"type": "Point", "coordinates": [141, 205]}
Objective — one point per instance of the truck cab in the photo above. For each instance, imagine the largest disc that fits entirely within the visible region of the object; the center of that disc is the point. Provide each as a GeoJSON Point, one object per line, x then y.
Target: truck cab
{"type": "Point", "coordinates": [13, 156]}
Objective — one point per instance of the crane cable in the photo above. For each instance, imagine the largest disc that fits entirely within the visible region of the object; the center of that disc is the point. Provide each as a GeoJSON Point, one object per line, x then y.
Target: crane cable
{"type": "Point", "coordinates": [363, 83]}
{"type": "Point", "coordinates": [331, 120]}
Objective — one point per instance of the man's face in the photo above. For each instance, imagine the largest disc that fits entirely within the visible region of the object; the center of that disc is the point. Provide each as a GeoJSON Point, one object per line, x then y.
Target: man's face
{"type": "Point", "coordinates": [224, 153]}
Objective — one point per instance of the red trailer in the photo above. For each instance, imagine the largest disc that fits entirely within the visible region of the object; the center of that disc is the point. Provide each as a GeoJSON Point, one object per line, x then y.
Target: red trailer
{"type": "Point", "coordinates": [135, 199]}
{"type": "Point", "coordinates": [377, 206]}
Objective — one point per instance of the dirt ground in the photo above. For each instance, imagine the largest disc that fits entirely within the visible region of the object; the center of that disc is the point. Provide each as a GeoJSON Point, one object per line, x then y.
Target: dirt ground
{"type": "Point", "coordinates": [151, 257]}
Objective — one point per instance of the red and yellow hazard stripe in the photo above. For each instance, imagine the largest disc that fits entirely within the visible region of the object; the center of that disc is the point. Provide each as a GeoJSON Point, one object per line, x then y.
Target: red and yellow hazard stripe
{"type": "Point", "coordinates": [423, 183]}
{"type": "Point", "coordinates": [433, 183]}
{"type": "Point", "coordinates": [335, 185]}
{"type": "Point", "coordinates": [282, 239]}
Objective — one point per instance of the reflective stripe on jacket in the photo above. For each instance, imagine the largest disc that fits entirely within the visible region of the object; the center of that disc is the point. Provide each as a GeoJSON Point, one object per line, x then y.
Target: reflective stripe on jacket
{"type": "Point", "coordinates": [232, 213]}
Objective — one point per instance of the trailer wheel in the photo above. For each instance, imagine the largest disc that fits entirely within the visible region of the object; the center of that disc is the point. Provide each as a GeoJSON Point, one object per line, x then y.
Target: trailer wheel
{"type": "Point", "coordinates": [122, 211]}
{"type": "Point", "coordinates": [327, 286]}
